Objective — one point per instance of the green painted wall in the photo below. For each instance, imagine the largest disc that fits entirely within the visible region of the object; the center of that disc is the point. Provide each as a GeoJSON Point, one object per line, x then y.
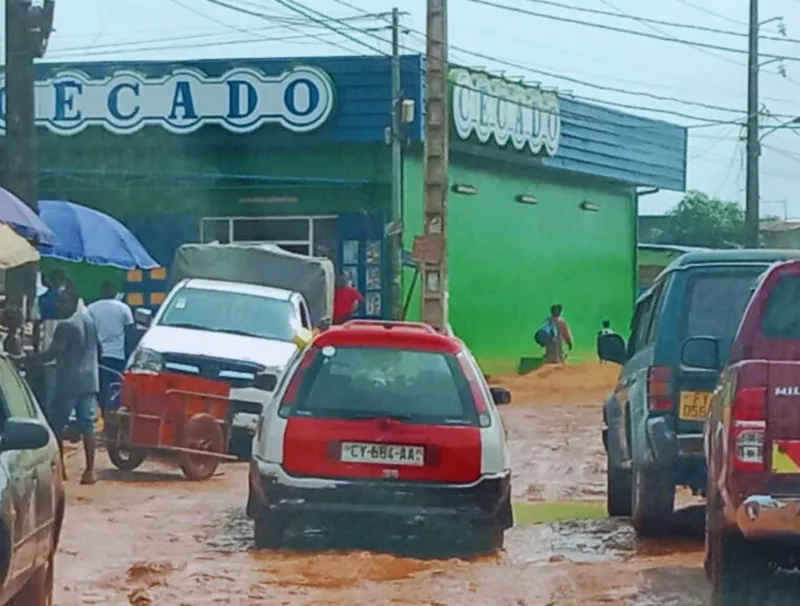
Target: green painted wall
{"type": "Point", "coordinates": [509, 261]}
{"type": "Point", "coordinates": [155, 172]}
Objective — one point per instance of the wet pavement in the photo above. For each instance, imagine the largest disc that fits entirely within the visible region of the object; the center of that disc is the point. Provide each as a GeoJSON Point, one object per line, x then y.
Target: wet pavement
{"type": "Point", "coordinates": [150, 537]}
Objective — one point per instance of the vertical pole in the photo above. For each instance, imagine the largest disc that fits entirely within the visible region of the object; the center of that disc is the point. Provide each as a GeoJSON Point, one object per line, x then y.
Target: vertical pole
{"type": "Point", "coordinates": [437, 125]}
{"type": "Point", "coordinates": [396, 239]}
{"type": "Point", "coordinates": [21, 146]}
{"type": "Point", "coordinates": [753, 143]}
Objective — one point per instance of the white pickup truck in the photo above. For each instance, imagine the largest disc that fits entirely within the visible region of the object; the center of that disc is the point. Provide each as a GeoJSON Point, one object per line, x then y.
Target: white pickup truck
{"type": "Point", "coordinates": [235, 331]}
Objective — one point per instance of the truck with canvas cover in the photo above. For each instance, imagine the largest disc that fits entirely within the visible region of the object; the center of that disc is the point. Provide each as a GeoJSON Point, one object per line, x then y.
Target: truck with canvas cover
{"type": "Point", "coordinates": [234, 313]}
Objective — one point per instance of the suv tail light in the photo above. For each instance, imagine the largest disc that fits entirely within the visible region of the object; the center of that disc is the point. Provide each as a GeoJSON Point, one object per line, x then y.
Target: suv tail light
{"type": "Point", "coordinates": [293, 389]}
{"type": "Point", "coordinates": [659, 388]}
{"type": "Point", "coordinates": [748, 424]}
{"type": "Point", "coordinates": [476, 391]}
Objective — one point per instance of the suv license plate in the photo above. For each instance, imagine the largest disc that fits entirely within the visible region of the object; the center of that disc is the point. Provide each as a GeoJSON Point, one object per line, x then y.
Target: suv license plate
{"type": "Point", "coordinates": [694, 405]}
{"type": "Point", "coordinates": [383, 454]}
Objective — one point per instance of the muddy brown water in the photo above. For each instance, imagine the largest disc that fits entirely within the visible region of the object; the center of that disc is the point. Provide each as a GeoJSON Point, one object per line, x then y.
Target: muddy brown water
{"type": "Point", "coordinates": [150, 537]}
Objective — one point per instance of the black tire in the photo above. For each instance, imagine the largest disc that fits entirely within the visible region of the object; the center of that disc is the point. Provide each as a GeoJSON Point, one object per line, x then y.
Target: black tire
{"type": "Point", "coordinates": [488, 539]}
{"type": "Point", "coordinates": [740, 571]}
{"type": "Point", "coordinates": [125, 459]}
{"type": "Point", "coordinates": [268, 532]}
{"type": "Point", "coordinates": [652, 501]}
{"type": "Point", "coordinates": [618, 490]}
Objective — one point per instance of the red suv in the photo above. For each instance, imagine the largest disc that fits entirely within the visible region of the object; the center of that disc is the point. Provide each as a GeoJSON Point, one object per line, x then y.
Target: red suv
{"type": "Point", "coordinates": [752, 441]}
{"type": "Point", "coordinates": [382, 422]}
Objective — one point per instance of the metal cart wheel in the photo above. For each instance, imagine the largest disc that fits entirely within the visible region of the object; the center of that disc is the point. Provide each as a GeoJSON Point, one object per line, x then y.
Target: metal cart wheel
{"type": "Point", "coordinates": [201, 432]}
{"type": "Point", "coordinates": [124, 458]}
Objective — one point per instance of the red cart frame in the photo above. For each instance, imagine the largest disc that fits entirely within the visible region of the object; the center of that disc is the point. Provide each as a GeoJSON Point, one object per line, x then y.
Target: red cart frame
{"type": "Point", "coordinates": [171, 416]}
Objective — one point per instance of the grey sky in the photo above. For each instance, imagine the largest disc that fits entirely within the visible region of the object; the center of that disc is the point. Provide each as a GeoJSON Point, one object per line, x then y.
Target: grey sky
{"type": "Point", "coordinates": [190, 29]}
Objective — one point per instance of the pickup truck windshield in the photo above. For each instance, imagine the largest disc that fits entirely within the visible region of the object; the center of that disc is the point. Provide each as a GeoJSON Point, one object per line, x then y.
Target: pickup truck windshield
{"type": "Point", "coordinates": [716, 302]}
{"type": "Point", "coordinates": [230, 312]}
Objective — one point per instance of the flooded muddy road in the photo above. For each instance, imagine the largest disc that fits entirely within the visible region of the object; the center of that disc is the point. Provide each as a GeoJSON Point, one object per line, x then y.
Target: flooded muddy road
{"type": "Point", "coordinates": [151, 537]}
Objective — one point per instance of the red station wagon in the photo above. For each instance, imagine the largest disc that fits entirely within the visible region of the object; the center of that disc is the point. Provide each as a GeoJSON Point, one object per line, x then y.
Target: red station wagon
{"type": "Point", "coordinates": [382, 424]}
{"type": "Point", "coordinates": [752, 442]}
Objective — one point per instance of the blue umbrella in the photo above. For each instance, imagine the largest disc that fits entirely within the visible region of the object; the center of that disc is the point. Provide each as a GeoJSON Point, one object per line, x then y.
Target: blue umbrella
{"type": "Point", "coordinates": [23, 220]}
{"type": "Point", "coordinates": [88, 235]}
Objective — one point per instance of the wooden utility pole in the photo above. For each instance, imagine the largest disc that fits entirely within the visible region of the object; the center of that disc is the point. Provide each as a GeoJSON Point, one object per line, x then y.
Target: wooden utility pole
{"type": "Point", "coordinates": [396, 220]}
{"type": "Point", "coordinates": [430, 248]}
{"type": "Point", "coordinates": [752, 188]}
{"type": "Point", "coordinates": [28, 28]}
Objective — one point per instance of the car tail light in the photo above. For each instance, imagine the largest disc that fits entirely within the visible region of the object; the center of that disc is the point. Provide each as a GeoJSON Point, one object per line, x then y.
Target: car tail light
{"type": "Point", "coordinates": [748, 424]}
{"type": "Point", "coordinates": [659, 388]}
{"type": "Point", "coordinates": [293, 389]}
{"type": "Point", "coordinates": [476, 391]}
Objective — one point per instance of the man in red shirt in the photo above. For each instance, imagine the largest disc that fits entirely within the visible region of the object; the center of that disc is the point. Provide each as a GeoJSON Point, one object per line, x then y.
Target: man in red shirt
{"type": "Point", "coordinates": [346, 300]}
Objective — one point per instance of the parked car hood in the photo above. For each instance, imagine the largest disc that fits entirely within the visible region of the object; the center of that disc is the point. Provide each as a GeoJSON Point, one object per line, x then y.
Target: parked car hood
{"type": "Point", "coordinates": [270, 353]}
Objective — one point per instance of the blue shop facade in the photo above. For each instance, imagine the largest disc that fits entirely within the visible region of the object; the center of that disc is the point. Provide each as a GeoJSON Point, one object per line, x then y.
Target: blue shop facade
{"type": "Point", "coordinates": [292, 151]}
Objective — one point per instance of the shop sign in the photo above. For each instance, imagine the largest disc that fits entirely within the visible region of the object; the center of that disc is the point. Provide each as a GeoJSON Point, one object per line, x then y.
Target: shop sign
{"type": "Point", "coordinates": [493, 108]}
{"type": "Point", "coordinates": [243, 99]}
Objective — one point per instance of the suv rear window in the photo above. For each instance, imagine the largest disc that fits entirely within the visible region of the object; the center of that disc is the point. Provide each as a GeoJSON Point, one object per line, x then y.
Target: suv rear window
{"type": "Point", "coordinates": [781, 319]}
{"type": "Point", "coordinates": [716, 302]}
{"type": "Point", "coordinates": [361, 383]}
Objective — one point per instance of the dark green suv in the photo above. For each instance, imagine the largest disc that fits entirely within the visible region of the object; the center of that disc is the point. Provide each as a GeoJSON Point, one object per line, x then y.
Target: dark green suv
{"type": "Point", "coordinates": [31, 495]}
{"type": "Point", "coordinates": [653, 420]}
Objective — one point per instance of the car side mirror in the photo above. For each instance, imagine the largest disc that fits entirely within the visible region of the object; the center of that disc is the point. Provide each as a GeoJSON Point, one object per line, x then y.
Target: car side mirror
{"type": "Point", "coordinates": [500, 395]}
{"type": "Point", "coordinates": [701, 352]}
{"type": "Point", "coordinates": [143, 316]}
{"type": "Point", "coordinates": [612, 348]}
{"type": "Point", "coordinates": [23, 434]}
{"type": "Point", "coordinates": [265, 382]}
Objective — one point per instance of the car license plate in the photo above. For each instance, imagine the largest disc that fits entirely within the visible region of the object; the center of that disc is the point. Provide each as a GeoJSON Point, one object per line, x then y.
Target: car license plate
{"type": "Point", "coordinates": [383, 454]}
{"type": "Point", "coordinates": [694, 405]}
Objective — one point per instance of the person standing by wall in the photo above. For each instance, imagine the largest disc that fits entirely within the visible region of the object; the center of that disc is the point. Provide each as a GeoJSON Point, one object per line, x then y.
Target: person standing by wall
{"type": "Point", "coordinates": [554, 335]}
{"type": "Point", "coordinates": [113, 320]}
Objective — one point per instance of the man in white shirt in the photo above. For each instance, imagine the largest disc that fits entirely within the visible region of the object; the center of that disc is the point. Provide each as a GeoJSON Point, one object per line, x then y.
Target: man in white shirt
{"type": "Point", "coordinates": [113, 320]}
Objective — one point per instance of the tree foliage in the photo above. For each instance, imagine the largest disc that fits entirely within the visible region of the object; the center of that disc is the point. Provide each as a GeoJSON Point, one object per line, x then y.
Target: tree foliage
{"type": "Point", "coordinates": [700, 220]}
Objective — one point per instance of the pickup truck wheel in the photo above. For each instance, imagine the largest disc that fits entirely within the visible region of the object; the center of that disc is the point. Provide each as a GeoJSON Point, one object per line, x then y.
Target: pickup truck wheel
{"type": "Point", "coordinates": [652, 500]}
{"type": "Point", "coordinates": [740, 570]}
{"type": "Point", "coordinates": [618, 490]}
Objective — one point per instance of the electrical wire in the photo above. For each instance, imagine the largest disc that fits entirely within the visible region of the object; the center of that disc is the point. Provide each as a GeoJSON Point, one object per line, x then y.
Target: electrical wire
{"type": "Point", "coordinates": [263, 16]}
{"type": "Point", "coordinates": [703, 121]}
{"type": "Point", "coordinates": [711, 13]}
{"type": "Point", "coordinates": [620, 14]}
{"type": "Point", "coordinates": [297, 38]}
{"type": "Point", "coordinates": [631, 32]}
{"type": "Point", "coordinates": [589, 84]}
{"type": "Point", "coordinates": [304, 10]}
{"type": "Point", "coordinates": [647, 23]}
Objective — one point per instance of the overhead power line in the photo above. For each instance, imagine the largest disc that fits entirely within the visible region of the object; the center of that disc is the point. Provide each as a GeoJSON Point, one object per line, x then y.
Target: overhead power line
{"type": "Point", "coordinates": [703, 121]}
{"type": "Point", "coordinates": [690, 26]}
{"type": "Point", "coordinates": [630, 32]}
{"type": "Point", "coordinates": [711, 13]}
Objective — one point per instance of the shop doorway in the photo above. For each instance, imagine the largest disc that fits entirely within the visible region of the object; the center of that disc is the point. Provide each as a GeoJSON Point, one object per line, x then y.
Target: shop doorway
{"type": "Point", "coordinates": [315, 235]}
